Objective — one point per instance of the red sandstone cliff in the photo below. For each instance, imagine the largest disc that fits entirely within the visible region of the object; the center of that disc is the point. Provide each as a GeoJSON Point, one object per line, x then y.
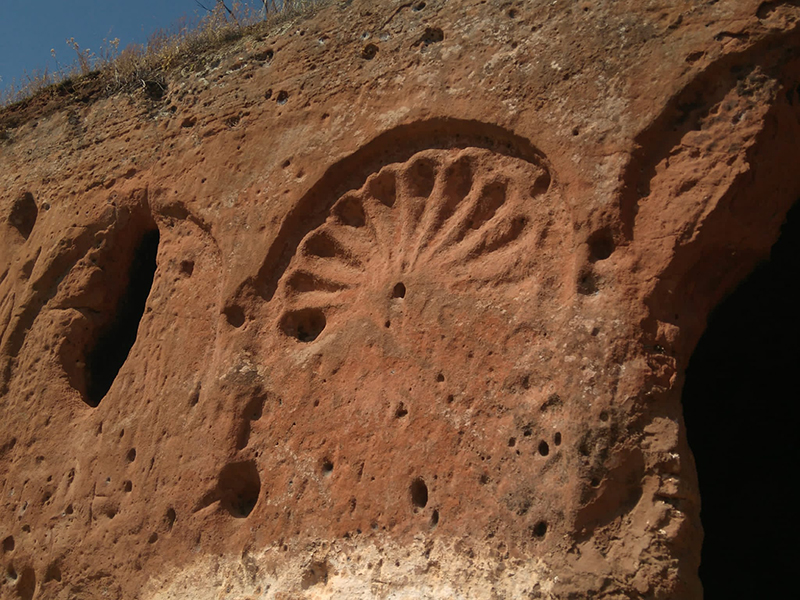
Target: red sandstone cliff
{"type": "Point", "coordinates": [393, 302]}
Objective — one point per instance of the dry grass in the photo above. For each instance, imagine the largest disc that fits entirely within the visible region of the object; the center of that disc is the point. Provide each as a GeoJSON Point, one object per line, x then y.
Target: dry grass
{"type": "Point", "coordinates": [147, 66]}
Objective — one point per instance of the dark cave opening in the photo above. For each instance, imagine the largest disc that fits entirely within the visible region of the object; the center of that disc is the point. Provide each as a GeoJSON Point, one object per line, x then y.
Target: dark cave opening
{"type": "Point", "coordinates": [742, 408]}
{"type": "Point", "coordinates": [109, 353]}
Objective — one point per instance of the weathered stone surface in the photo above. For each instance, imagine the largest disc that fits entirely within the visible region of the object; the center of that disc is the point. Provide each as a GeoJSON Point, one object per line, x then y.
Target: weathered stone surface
{"type": "Point", "coordinates": [418, 285]}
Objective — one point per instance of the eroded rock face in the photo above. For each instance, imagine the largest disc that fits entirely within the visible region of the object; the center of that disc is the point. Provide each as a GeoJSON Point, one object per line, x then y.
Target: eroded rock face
{"type": "Point", "coordinates": [393, 302]}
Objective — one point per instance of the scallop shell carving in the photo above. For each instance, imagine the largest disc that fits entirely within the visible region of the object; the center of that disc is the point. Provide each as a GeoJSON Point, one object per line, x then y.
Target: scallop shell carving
{"type": "Point", "coordinates": [464, 219]}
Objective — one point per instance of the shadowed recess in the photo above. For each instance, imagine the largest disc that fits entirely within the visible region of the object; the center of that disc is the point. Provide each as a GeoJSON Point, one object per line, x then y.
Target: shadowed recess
{"type": "Point", "coordinates": [741, 409]}
{"type": "Point", "coordinates": [238, 488]}
{"type": "Point", "coordinates": [24, 213]}
{"type": "Point", "coordinates": [112, 348]}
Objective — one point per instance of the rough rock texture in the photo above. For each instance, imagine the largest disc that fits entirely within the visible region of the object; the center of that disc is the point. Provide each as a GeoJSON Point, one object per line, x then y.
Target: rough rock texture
{"type": "Point", "coordinates": [418, 284]}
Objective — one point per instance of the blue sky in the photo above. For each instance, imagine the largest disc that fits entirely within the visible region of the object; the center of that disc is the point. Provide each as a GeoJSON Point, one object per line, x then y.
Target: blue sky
{"type": "Point", "coordinates": [30, 28]}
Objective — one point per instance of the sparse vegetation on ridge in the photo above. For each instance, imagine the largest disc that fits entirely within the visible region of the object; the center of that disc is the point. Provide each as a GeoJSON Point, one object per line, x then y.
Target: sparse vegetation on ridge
{"type": "Point", "coordinates": [146, 66]}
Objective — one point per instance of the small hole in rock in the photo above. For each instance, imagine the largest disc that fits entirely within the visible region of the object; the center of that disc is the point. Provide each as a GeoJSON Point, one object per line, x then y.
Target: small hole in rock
{"type": "Point", "coordinates": [595, 482]}
{"type": "Point", "coordinates": [401, 411]}
{"type": "Point", "coordinates": [432, 35]}
{"type": "Point", "coordinates": [305, 325]}
{"type": "Point", "coordinates": [127, 486]}
{"type": "Point", "coordinates": [369, 51]}
{"type": "Point", "coordinates": [23, 214]}
{"type": "Point", "coordinates": [399, 291]}
{"type": "Point", "coordinates": [540, 529]}
{"type": "Point", "coordinates": [238, 488]}
{"type": "Point", "coordinates": [557, 438]}
{"type": "Point", "coordinates": [11, 573]}
{"type": "Point", "coordinates": [419, 493]}
{"type": "Point", "coordinates": [9, 544]}
{"type": "Point", "coordinates": [434, 518]}
{"type": "Point", "coordinates": [283, 97]}
{"type": "Point", "coordinates": [131, 455]}
{"type": "Point", "coordinates": [544, 448]}
{"type": "Point", "coordinates": [387, 324]}
{"type": "Point", "coordinates": [327, 467]}
{"type": "Point", "coordinates": [187, 267]}
{"type": "Point", "coordinates": [169, 518]}
{"type": "Point", "coordinates": [601, 245]}
{"type": "Point", "coordinates": [604, 416]}
{"type": "Point", "coordinates": [153, 538]}
{"type": "Point", "coordinates": [587, 283]}
{"type": "Point", "coordinates": [235, 315]}
{"type": "Point", "coordinates": [440, 378]}
{"type": "Point", "coordinates": [418, 6]}
{"type": "Point", "coordinates": [512, 442]}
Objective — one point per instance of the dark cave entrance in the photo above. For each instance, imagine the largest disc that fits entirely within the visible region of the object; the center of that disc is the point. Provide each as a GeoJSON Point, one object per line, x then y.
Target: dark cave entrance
{"type": "Point", "coordinates": [741, 404]}
{"type": "Point", "coordinates": [112, 348]}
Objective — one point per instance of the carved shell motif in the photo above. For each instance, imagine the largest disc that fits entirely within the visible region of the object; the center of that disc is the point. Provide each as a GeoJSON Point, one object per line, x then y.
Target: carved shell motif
{"type": "Point", "coordinates": [458, 218]}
